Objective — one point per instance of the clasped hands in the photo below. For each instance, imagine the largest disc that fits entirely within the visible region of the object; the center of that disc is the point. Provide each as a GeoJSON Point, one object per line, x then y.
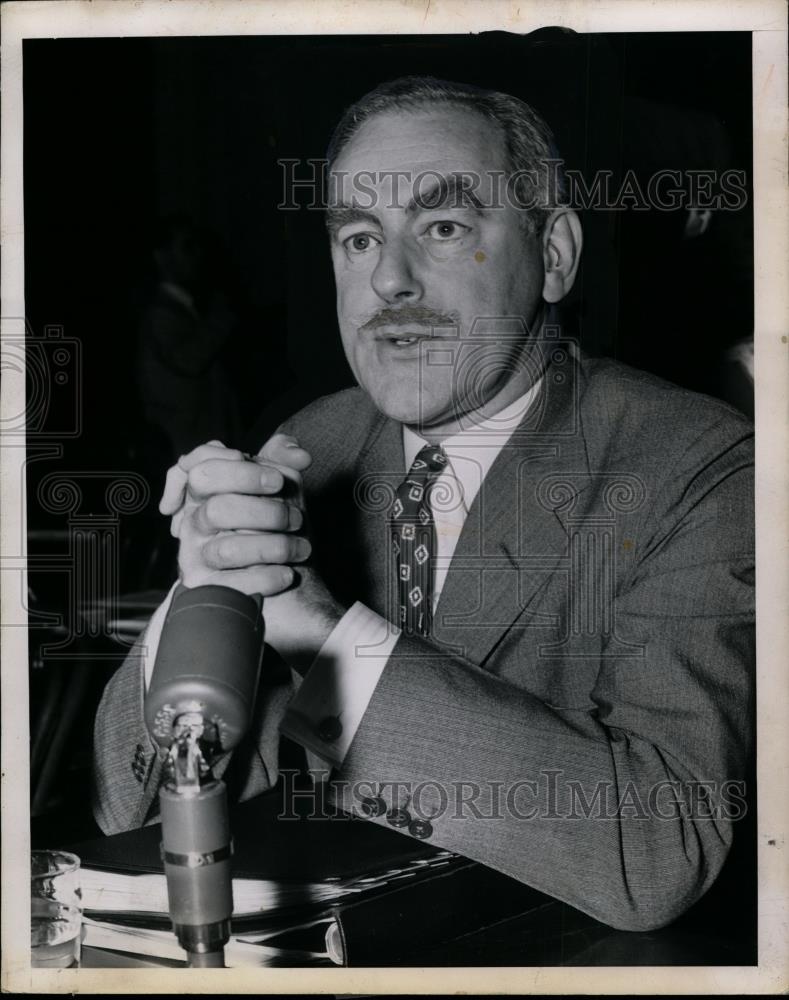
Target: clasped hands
{"type": "Point", "coordinates": [240, 524]}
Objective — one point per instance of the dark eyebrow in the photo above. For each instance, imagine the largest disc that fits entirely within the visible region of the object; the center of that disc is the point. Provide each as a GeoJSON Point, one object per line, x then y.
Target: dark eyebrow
{"type": "Point", "coordinates": [445, 192]}
{"type": "Point", "coordinates": [338, 216]}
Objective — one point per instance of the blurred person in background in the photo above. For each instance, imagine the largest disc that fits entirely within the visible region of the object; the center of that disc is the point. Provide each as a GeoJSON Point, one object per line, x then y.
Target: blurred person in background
{"type": "Point", "coordinates": [184, 381]}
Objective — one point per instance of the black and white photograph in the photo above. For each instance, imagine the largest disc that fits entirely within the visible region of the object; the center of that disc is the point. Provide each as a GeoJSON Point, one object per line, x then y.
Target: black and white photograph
{"type": "Point", "coordinates": [394, 563]}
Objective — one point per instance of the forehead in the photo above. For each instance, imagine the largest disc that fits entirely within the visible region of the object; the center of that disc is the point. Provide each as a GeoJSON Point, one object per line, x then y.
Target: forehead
{"type": "Point", "coordinates": [442, 138]}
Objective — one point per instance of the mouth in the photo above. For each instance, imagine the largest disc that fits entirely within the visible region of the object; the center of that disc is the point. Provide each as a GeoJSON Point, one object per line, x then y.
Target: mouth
{"type": "Point", "coordinates": [405, 341]}
{"type": "Point", "coordinates": [402, 338]}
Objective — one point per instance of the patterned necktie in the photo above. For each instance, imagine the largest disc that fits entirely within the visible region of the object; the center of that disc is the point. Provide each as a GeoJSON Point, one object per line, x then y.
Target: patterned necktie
{"type": "Point", "coordinates": [414, 542]}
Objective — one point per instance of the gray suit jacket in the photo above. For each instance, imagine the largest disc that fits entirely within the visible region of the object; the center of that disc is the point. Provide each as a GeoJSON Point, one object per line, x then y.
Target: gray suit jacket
{"type": "Point", "coordinates": [580, 714]}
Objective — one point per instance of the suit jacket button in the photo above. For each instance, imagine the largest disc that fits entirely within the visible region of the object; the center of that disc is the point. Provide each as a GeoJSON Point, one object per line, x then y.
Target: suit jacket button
{"type": "Point", "coordinates": [373, 807]}
{"type": "Point", "coordinates": [420, 828]}
{"type": "Point", "coordinates": [329, 728]}
{"type": "Point", "coordinates": [398, 817]}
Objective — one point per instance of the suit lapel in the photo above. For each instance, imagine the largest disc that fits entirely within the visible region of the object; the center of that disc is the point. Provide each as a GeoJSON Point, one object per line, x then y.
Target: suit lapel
{"type": "Point", "coordinates": [515, 534]}
{"type": "Point", "coordinates": [379, 472]}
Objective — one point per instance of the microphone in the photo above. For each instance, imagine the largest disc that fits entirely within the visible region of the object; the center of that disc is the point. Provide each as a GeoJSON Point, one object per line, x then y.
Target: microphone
{"type": "Point", "coordinates": [199, 705]}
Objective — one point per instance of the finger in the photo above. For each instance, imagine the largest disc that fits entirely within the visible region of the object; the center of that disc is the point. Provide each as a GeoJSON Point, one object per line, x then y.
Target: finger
{"type": "Point", "coordinates": [203, 452]}
{"type": "Point", "coordinates": [215, 476]}
{"type": "Point", "coordinates": [174, 490]}
{"type": "Point", "coordinates": [264, 580]}
{"type": "Point", "coordinates": [282, 449]}
{"type": "Point", "coordinates": [175, 483]}
{"type": "Point", "coordinates": [233, 512]}
{"type": "Point", "coordinates": [232, 550]}
{"type": "Point", "coordinates": [175, 523]}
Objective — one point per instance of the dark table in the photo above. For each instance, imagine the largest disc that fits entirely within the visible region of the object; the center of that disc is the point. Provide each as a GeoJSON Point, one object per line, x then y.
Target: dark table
{"type": "Point", "coordinates": [719, 930]}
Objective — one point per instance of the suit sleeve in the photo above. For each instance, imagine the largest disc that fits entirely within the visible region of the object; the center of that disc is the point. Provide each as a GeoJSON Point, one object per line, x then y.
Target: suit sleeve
{"type": "Point", "coordinates": [625, 810]}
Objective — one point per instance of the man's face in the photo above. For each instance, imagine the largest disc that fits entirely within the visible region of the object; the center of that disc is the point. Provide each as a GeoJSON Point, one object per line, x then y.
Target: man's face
{"type": "Point", "coordinates": [433, 293]}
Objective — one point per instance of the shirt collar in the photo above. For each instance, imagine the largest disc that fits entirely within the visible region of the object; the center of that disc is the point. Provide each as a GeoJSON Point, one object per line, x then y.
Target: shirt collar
{"type": "Point", "coordinates": [473, 450]}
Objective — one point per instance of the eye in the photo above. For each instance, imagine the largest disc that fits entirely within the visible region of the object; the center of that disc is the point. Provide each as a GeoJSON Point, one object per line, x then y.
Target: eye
{"type": "Point", "coordinates": [444, 231]}
{"type": "Point", "coordinates": [360, 243]}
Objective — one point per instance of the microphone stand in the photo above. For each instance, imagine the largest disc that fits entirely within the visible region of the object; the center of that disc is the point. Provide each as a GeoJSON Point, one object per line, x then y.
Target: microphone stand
{"type": "Point", "coordinates": [196, 850]}
{"type": "Point", "coordinates": [199, 705]}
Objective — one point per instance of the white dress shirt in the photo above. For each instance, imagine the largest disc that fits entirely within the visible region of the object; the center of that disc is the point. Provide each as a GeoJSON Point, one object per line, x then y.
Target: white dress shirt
{"type": "Point", "coordinates": [344, 675]}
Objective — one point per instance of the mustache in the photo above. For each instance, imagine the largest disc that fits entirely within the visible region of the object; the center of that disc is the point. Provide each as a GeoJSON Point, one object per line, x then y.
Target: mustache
{"type": "Point", "coordinates": [401, 316]}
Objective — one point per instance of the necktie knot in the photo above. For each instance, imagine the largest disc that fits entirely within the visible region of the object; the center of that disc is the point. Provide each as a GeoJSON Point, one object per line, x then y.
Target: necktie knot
{"type": "Point", "coordinates": [412, 493]}
{"type": "Point", "coordinates": [430, 461]}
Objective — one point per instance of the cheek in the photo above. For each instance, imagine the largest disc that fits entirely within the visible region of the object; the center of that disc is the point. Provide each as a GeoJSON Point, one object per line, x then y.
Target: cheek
{"type": "Point", "coordinates": [353, 289]}
{"type": "Point", "coordinates": [486, 271]}
{"type": "Point", "coordinates": [481, 287]}
{"type": "Point", "coordinates": [512, 287]}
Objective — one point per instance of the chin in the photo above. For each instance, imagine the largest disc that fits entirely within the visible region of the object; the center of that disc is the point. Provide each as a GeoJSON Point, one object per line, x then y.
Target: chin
{"type": "Point", "coordinates": [416, 417]}
{"type": "Point", "coordinates": [405, 408]}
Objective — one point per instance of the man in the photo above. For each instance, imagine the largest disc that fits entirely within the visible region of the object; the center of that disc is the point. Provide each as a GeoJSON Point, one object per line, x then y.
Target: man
{"type": "Point", "coordinates": [517, 583]}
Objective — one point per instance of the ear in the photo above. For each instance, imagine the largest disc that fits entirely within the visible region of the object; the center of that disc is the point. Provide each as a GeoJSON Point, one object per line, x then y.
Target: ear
{"type": "Point", "coordinates": [561, 251]}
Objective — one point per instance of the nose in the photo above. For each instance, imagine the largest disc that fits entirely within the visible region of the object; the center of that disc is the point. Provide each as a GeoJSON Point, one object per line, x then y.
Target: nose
{"type": "Point", "coordinates": [394, 278]}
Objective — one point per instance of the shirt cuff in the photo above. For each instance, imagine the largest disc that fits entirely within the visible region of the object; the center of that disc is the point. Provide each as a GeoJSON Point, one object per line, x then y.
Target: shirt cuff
{"type": "Point", "coordinates": [327, 709]}
{"type": "Point", "coordinates": [153, 633]}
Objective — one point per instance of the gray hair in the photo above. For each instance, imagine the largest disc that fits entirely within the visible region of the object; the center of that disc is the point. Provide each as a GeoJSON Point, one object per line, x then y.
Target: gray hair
{"type": "Point", "coordinates": [529, 144]}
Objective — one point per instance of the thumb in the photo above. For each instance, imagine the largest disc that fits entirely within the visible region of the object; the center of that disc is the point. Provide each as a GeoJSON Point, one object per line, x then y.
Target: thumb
{"type": "Point", "coordinates": [174, 490]}
{"type": "Point", "coordinates": [282, 449]}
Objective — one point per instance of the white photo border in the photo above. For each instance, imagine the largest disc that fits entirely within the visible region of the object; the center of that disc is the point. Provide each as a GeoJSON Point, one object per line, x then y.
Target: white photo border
{"type": "Point", "coordinates": [766, 19]}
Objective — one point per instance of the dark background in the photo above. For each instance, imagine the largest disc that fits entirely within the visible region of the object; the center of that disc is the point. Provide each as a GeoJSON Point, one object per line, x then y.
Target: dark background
{"type": "Point", "coordinates": [121, 132]}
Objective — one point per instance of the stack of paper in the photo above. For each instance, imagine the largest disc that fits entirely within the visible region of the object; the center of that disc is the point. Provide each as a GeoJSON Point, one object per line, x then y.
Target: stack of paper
{"type": "Point", "coordinates": [116, 892]}
{"type": "Point", "coordinates": [241, 950]}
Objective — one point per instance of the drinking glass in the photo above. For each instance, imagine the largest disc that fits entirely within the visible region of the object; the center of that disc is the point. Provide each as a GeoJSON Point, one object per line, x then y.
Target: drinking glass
{"type": "Point", "coordinates": [55, 910]}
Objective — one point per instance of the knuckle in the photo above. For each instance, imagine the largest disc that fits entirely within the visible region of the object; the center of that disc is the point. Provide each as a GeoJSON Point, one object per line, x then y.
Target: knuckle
{"type": "Point", "coordinates": [190, 458]}
{"type": "Point", "coordinates": [220, 557]}
{"type": "Point", "coordinates": [211, 509]}
{"type": "Point", "coordinates": [222, 553]}
{"type": "Point", "coordinates": [211, 555]}
{"type": "Point", "coordinates": [196, 477]}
